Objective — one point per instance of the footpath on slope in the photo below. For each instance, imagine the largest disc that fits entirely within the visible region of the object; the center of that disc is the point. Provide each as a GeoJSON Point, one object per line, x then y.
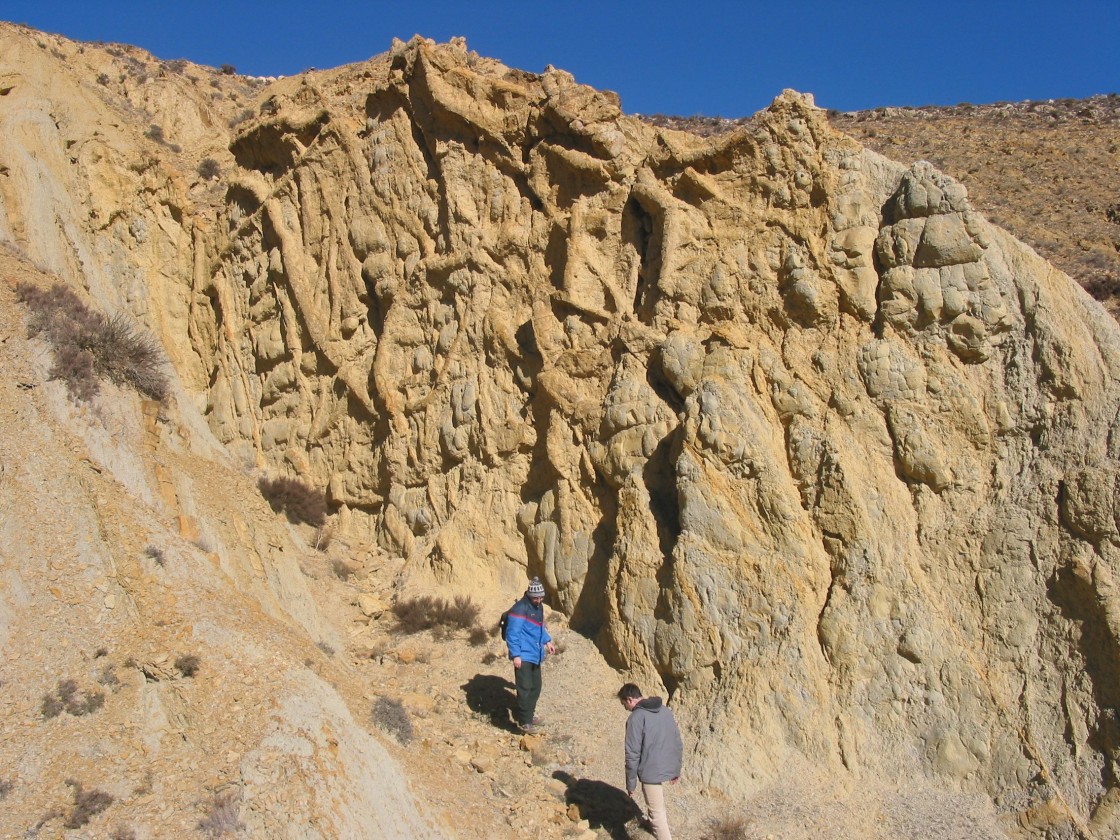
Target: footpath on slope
{"type": "Point", "coordinates": [568, 782]}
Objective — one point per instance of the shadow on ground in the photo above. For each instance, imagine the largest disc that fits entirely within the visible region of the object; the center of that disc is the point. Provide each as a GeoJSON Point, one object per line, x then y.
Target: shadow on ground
{"type": "Point", "coordinates": [494, 697]}
{"type": "Point", "coordinates": [604, 806]}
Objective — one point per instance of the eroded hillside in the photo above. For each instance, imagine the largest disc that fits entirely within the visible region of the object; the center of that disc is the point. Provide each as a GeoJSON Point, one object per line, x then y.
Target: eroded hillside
{"type": "Point", "coordinates": [789, 429]}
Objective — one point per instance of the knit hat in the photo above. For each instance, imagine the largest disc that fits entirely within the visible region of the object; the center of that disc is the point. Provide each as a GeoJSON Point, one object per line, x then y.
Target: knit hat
{"type": "Point", "coordinates": [536, 588]}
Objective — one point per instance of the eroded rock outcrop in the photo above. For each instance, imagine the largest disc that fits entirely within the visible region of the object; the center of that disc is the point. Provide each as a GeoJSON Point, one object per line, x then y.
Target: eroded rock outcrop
{"type": "Point", "coordinates": [788, 427]}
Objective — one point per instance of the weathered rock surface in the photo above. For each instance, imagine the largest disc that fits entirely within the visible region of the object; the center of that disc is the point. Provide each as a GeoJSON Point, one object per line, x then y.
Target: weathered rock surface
{"type": "Point", "coordinates": [789, 428]}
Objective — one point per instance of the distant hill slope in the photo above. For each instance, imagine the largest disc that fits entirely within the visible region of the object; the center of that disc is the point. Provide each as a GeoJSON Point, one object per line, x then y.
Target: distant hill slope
{"type": "Point", "coordinates": [1047, 171]}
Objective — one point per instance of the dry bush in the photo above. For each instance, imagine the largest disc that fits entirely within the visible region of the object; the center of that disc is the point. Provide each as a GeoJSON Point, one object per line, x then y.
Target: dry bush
{"type": "Point", "coordinates": [298, 501]}
{"type": "Point", "coordinates": [5, 789]}
{"type": "Point", "coordinates": [478, 636]}
{"type": "Point", "coordinates": [209, 168]}
{"type": "Point", "coordinates": [89, 346]}
{"type": "Point", "coordinates": [391, 716]}
{"type": "Point", "coordinates": [323, 538]}
{"type": "Point", "coordinates": [187, 664]}
{"type": "Point", "coordinates": [87, 804]}
{"type": "Point", "coordinates": [415, 615]}
{"type": "Point", "coordinates": [222, 815]}
{"type": "Point", "coordinates": [67, 698]}
{"type": "Point", "coordinates": [156, 554]}
{"type": "Point", "coordinates": [342, 570]}
{"type": "Point", "coordinates": [726, 828]}
{"type": "Point", "coordinates": [123, 832]}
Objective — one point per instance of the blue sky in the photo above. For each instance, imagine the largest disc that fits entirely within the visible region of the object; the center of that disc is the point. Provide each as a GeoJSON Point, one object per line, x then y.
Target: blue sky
{"type": "Point", "coordinates": [700, 57]}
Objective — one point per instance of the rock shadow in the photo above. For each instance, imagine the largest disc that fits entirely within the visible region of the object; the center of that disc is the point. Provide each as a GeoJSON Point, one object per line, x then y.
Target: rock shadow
{"type": "Point", "coordinates": [494, 697]}
{"type": "Point", "coordinates": [602, 805]}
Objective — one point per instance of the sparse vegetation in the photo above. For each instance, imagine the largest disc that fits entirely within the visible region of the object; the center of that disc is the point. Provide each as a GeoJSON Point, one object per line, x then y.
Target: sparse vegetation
{"type": "Point", "coordinates": [103, 79]}
{"type": "Point", "coordinates": [222, 815]}
{"type": "Point", "coordinates": [323, 538]}
{"type": "Point", "coordinates": [209, 168]}
{"type": "Point", "coordinates": [67, 698]}
{"type": "Point", "coordinates": [342, 570]}
{"type": "Point", "coordinates": [89, 346]}
{"type": "Point", "coordinates": [726, 828]}
{"type": "Point", "coordinates": [87, 804]}
{"type": "Point", "coordinates": [155, 554]}
{"type": "Point", "coordinates": [187, 664]}
{"type": "Point", "coordinates": [108, 677]}
{"type": "Point", "coordinates": [391, 716]}
{"type": "Point", "coordinates": [123, 832]}
{"type": "Point", "coordinates": [227, 70]}
{"type": "Point", "coordinates": [297, 500]}
{"type": "Point", "coordinates": [415, 615]}
{"type": "Point", "coordinates": [325, 648]}
{"type": "Point", "coordinates": [5, 789]}
{"type": "Point", "coordinates": [244, 115]}
{"type": "Point", "coordinates": [478, 636]}
{"type": "Point", "coordinates": [155, 132]}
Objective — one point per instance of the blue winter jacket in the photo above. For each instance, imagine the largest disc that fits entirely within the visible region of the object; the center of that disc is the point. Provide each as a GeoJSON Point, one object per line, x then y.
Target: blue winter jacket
{"type": "Point", "coordinates": [526, 635]}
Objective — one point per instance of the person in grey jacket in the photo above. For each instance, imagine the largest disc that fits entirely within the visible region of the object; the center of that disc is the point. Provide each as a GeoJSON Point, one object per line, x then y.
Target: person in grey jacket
{"type": "Point", "coordinates": [653, 753]}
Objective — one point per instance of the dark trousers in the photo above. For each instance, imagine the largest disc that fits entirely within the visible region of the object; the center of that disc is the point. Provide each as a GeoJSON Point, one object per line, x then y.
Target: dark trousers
{"type": "Point", "coordinates": [527, 678]}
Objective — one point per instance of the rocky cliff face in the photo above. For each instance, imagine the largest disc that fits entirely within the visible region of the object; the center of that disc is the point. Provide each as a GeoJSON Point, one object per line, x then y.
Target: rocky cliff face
{"type": "Point", "coordinates": [787, 427]}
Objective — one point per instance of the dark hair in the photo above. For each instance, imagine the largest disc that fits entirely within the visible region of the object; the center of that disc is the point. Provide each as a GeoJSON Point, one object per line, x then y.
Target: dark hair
{"type": "Point", "coordinates": [630, 692]}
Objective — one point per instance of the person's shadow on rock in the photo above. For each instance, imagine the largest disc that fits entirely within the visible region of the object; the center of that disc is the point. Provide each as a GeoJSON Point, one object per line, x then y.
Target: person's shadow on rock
{"type": "Point", "coordinates": [492, 696]}
{"type": "Point", "coordinates": [602, 805]}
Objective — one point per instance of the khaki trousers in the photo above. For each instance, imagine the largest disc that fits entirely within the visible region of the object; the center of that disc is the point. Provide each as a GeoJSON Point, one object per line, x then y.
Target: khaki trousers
{"type": "Point", "coordinates": [655, 810]}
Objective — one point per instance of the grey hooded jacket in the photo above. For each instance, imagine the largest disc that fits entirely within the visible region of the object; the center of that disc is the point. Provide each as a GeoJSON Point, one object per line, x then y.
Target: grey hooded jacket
{"type": "Point", "coordinates": [653, 745]}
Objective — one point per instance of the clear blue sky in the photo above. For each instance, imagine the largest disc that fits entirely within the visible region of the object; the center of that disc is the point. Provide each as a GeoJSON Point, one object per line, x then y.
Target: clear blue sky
{"type": "Point", "coordinates": [690, 57]}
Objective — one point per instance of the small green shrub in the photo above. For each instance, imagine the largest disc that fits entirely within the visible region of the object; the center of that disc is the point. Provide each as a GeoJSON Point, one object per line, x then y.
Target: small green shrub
{"type": "Point", "coordinates": [89, 346]}
{"type": "Point", "coordinates": [87, 804]}
{"type": "Point", "coordinates": [297, 500]}
{"type": "Point", "coordinates": [391, 716]}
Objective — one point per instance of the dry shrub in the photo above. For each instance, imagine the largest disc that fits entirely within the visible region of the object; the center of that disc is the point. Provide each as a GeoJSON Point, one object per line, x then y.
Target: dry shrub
{"type": "Point", "coordinates": [89, 346]}
{"type": "Point", "coordinates": [726, 828]}
{"type": "Point", "coordinates": [5, 789]}
{"type": "Point", "coordinates": [209, 168]}
{"type": "Point", "coordinates": [391, 716]}
{"type": "Point", "coordinates": [415, 615]}
{"type": "Point", "coordinates": [188, 664]}
{"type": "Point", "coordinates": [222, 815]}
{"type": "Point", "coordinates": [478, 636]}
{"type": "Point", "coordinates": [87, 804]}
{"type": "Point", "coordinates": [67, 698]}
{"type": "Point", "coordinates": [297, 500]}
